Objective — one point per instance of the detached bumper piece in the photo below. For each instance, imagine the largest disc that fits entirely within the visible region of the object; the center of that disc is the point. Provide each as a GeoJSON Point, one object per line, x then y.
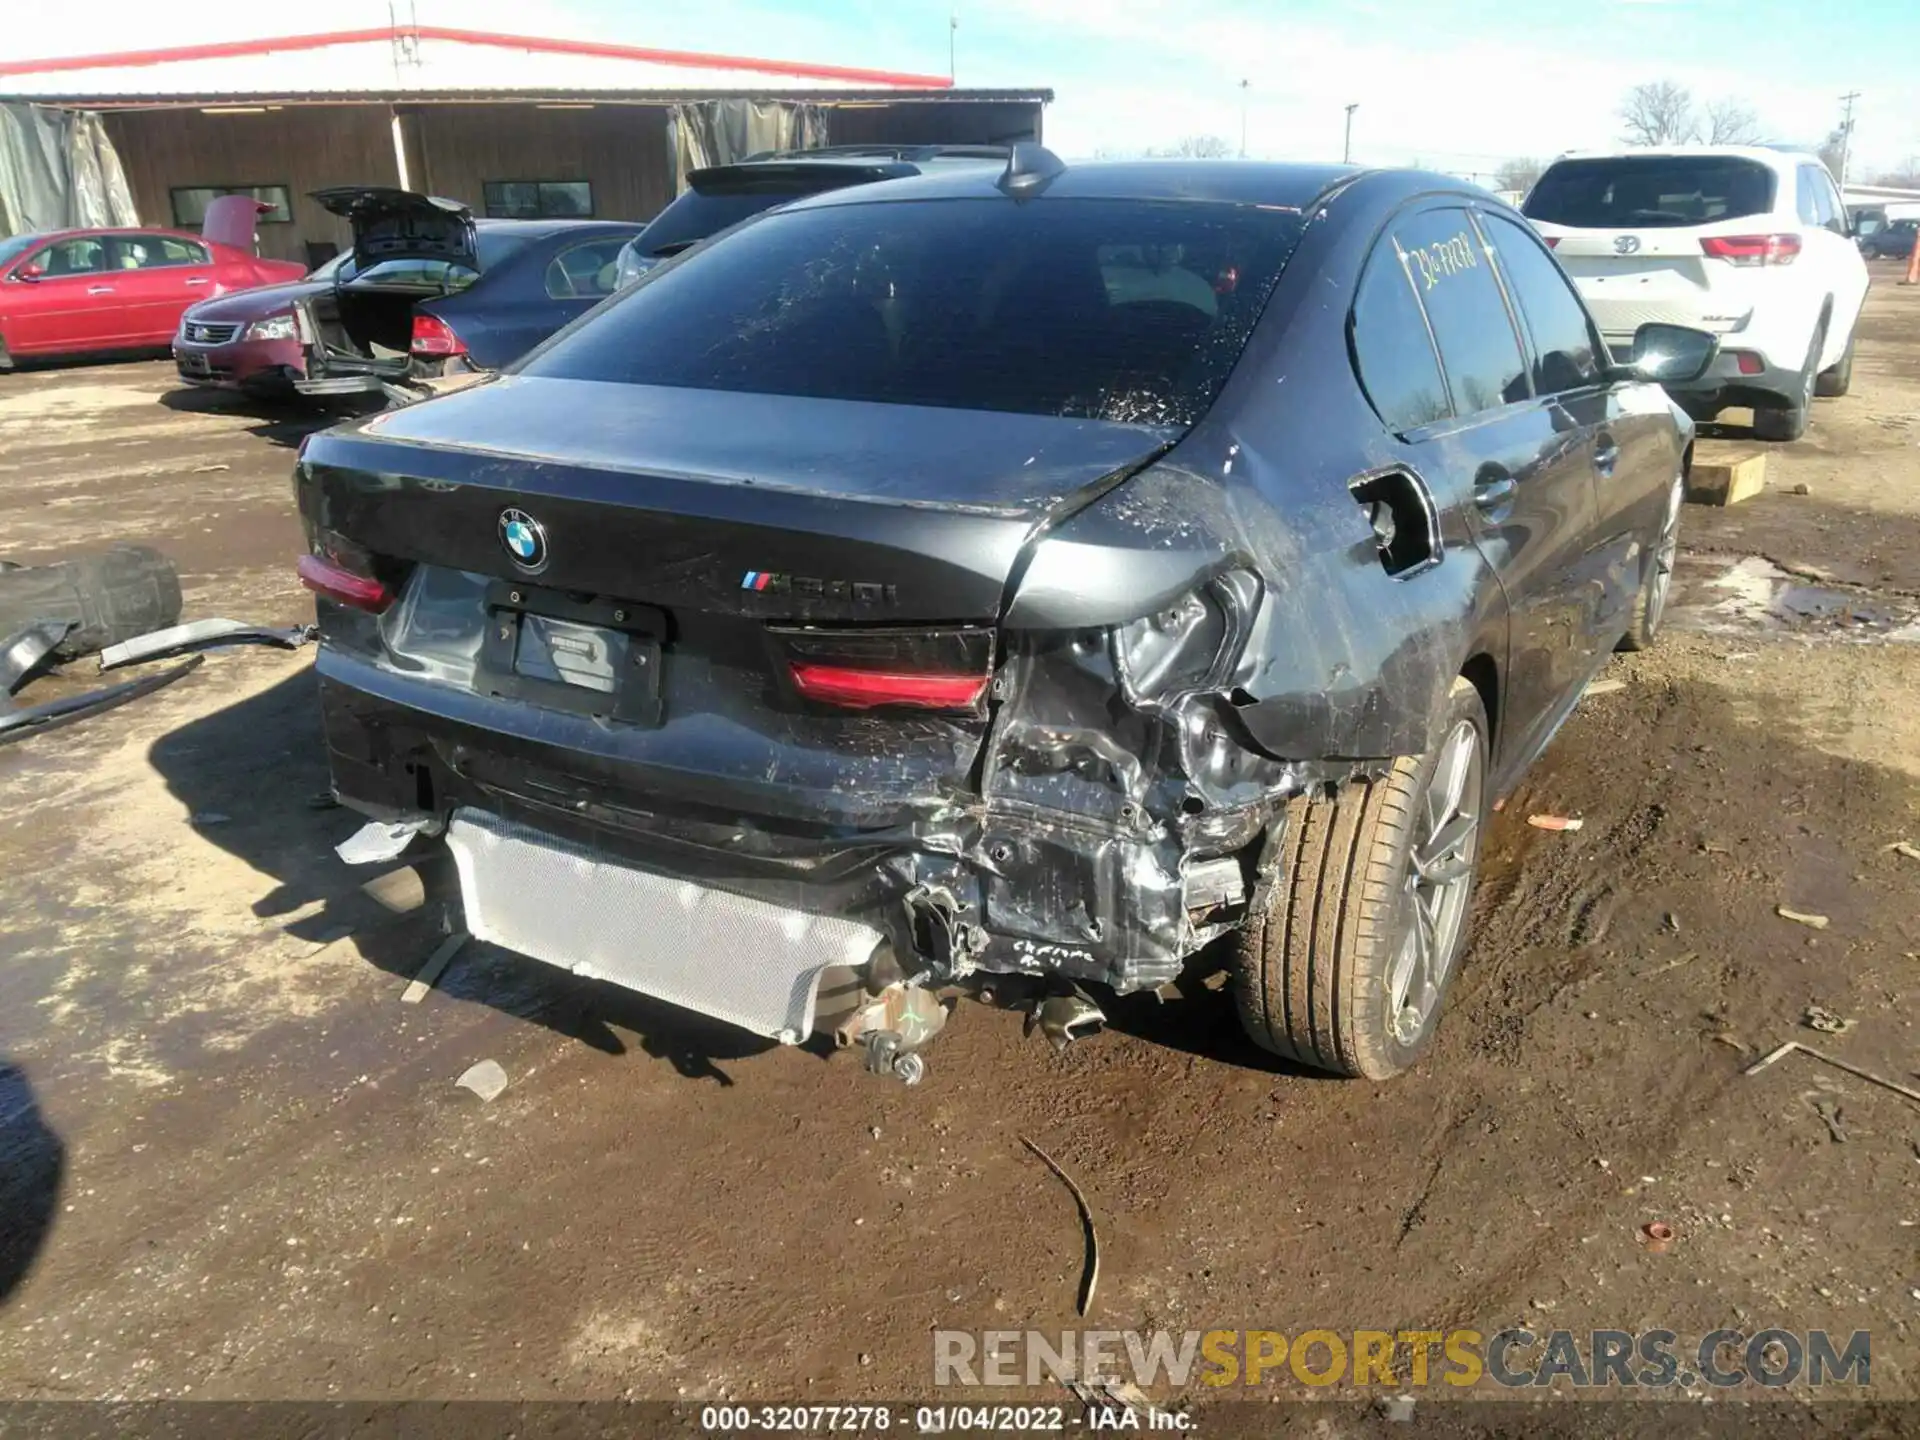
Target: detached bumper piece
{"type": "Point", "coordinates": [739, 960]}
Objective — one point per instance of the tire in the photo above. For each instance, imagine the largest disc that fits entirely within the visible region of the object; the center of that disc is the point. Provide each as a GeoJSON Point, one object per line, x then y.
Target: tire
{"type": "Point", "coordinates": [1789, 421]}
{"type": "Point", "coordinates": [1650, 604]}
{"type": "Point", "coordinates": [1313, 974]}
{"type": "Point", "coordinates": [1838, 380]}
{"type": "Point", "coordinates": [110, 596]}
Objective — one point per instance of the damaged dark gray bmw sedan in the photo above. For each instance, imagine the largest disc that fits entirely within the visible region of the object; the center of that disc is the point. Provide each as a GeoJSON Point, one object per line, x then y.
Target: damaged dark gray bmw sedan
{"type": "Point", "coordinates": [1008, 582]}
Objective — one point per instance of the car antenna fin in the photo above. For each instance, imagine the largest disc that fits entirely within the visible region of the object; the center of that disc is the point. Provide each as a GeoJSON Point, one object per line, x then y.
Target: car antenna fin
{"type": "Point", "coordinates": [1029, 167]}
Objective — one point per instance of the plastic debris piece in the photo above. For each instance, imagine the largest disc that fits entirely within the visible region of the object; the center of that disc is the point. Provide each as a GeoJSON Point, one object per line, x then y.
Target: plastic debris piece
{"type": "Point", "coordinates": [1603, 687]}
{"type": "Point", "coordinates": [1825, 1021]}
{"type": "Point", "coordinates": [1555, 822]}
{"type": "Point", "coordinates": [1902, 847]}
{"type": "Point", "coordinates": [1816, 922]}
{"type": "Point", "coordinates": [201, 635]}
{"type": "Point", "coordinates": [18, 724]}
{"type": "Point", "coordinates": [379, 840]}
{"type": "Point", "coordinates": [22, 655]}
{"type": "Point", "coordinates": [1659, 1237]}
{"type": "Point", "coordinates": [486, 1079]}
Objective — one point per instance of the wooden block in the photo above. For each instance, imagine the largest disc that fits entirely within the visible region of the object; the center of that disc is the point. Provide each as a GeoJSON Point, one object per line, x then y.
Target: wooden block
{"type": "Point", "coordinates": [1726, 478]}
{"type": "Point", "coordinates": [421, 983]}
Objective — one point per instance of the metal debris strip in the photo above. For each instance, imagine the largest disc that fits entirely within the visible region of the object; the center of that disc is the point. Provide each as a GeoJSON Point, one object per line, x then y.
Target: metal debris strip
{"type": "Point", "coordinates": [201, 635]}
{"type": "Point", "coordinates": [1090, 1274]}
{"type": "Point", "coordinates": [1867, 1075]}
{"type": "Point", "coordinates": [421, 983]}
{"type": "Point", "coordinates": [18, 724]}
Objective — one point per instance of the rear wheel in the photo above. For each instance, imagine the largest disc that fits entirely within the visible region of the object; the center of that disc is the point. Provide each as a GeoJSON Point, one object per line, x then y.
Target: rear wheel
{"type": "Point", "coordinates": [1839, 379]}
{"type": "Point", "coordinates": [1346, 969]}
{"type": "Point", "coordinates": [1788, 421]}
{"type": "Point", "coordinates": [1650, 605]}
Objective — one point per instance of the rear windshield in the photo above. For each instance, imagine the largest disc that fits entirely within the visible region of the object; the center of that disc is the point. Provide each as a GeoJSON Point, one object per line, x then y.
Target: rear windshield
{"type": "Point", "coordinates": [696, 214]}
{"type": "Point", "coordinates": [1648, 191]}
{"type": "Point", "coordinates": [1103, 309]}
{"type": "Point", "coordinates": [493, 247]}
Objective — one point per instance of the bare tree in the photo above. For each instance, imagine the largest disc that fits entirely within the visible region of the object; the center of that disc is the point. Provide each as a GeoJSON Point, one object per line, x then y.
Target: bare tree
{"type": "Point", "coordinates": [1731, 123]}
{"type": "Point", "coordinates": [1518, 174]}
{"type": "Point", "coordinates": [1833, 151]}
{"type": "Point", "coordinates": [1659, 113]}
{"type": "Point", "coordinates": [1907, 178]}
{"type": "Point", "coordinates": [1202, 147]}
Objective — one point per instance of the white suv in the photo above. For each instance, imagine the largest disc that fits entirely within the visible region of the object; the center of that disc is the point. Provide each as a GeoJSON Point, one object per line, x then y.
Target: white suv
{"type": "Point", "coordinates": [1752, 244]}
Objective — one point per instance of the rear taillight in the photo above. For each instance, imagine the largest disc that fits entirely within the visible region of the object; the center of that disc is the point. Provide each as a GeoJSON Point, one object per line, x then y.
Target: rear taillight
{"type": "Point", "coordinates": [867, 667]}
{"type": "Point", "coordinates": [434, 339]}
{"type": "Point", "coordinates": [1747, 362]}
{"type": "Point", "coordinates": [1553, 241]}
{"type": "Point", "coordinates": [854, 689]}
{"type": "Point", "coordinates": [331, 580]}
{"type": "Point", "coordinates": [1752, 249]}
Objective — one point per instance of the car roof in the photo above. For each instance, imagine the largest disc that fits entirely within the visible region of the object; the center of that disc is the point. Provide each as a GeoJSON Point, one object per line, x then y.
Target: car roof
{"type": "Point", "coordinates": [534, 229]}
{"type": "Point", "coordinates": [1773, 156]}
{"type": "Point", "coordinates": [1240, 182]}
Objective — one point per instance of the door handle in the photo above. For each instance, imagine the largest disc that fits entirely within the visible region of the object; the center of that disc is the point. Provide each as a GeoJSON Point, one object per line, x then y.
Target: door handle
{"type": "Point", "coordinates": [1606, 454]}
{"type": "Point", "coordinates": [1494, 493]}
{"type": "Point", "coordinates": [199, 280]}
{"type": "Point", "coordinates": [99, 290]}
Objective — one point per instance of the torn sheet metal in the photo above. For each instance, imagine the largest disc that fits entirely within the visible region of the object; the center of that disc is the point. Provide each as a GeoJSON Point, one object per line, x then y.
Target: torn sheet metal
{"type": "Point", "coordinates": [18, 724]}
{"type": "Point", "coordinates": [22, 654]}
{"type": "Point", "coordinates": [201, 635]}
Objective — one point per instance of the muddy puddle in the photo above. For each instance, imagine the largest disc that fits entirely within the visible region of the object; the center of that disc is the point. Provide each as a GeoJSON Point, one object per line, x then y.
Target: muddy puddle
{"type": "Point", "coordinates": [1754, 594]}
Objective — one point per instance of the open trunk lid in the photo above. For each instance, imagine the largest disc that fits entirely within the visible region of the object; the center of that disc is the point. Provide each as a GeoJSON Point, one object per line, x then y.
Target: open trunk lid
{"type": "Point", "coordinates": [751, 505]}
{"type": "Point", "coordinates": [391, 224]}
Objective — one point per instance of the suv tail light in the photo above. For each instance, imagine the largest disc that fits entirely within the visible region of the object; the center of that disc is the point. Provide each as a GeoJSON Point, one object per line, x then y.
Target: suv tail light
{"type": "Point", "coordinates": [331, 580]}
{"type": "Point", "coordinates": [1553, 241]}
{"type": "Point", "coordinates": [1752, 249]}
{"type": "Point", "coordinates": [865, 668]}
{"type": "Point", "coordinates": [433, 338]}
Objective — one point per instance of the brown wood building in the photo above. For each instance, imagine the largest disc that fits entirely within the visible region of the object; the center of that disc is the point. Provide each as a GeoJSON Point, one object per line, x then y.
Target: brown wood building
{"type": "Point", "coordinates": [564, 136]}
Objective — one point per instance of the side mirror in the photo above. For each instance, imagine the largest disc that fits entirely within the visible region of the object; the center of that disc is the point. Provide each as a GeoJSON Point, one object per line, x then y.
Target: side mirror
{"type": "Point", "coordinates": [1671, 354]}
{"type": "Point", "coordinates": [28, 272]}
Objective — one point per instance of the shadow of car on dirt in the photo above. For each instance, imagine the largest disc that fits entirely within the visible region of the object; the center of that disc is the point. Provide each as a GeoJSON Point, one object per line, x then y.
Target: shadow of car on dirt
{"type": "Point", "coordinates": [32, 1161]}
{"type": "Point", "coordinates": [260, 764]}
{"type": "Point", "coordinates": [283, 421]}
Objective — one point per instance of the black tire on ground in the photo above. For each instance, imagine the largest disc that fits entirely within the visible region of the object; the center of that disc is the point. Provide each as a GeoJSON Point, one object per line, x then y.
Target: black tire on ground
{"type": "Point", "coordinates": [1312, 974]}
{"type": "Point", "coordinates": [1656, 583]}
{"type": "Point", "coordinates": [110, 596]}
{"type": "Point", "coordinates": [1838, 380]}
{"type": "Point", "coordinates": [1788, 420]}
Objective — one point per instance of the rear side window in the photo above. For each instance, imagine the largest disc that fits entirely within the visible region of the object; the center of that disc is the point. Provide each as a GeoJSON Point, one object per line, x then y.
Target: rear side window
{"type": "Point", "coordinates": [1122, 310]}
{"type": "Point", "coordinates": [151, 252]}
{"type": "Point", "coordinates": [1564, 351]}
{"type": "Point", "coordinates": [1391, 348]}
{"type": "Point", "coordinates": [82, 255]}
{"type": "Point", "coordinates": [1454, 279]}
{"type": "Point", "coordinates": [1643, 192]}
{"type": "Point", "coordinates": [584, 272]}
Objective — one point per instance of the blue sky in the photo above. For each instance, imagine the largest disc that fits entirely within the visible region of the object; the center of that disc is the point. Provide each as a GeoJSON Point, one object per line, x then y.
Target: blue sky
{"type": "Point", "coordinates": [1456, 84]}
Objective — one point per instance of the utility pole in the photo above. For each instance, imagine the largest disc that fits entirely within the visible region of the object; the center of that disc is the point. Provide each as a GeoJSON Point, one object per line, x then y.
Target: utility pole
{"type": "Point", "coordinates": [1846, 135]}
{"type": "Point", "coordinates": [953, 29]}
{"type": "Point", "coordinates": [1346, 150]}
{"type": "Point", "coordinates": [1244, 85]}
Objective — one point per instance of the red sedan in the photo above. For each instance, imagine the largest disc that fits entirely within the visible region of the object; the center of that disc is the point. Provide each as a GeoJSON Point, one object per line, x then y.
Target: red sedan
{"type": "Point", "coordinates": [76, 292]}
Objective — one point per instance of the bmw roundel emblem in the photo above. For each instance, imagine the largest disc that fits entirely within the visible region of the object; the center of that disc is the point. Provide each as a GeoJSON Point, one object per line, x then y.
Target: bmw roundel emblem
{"type": "Point", "coordinates": [525, 540]}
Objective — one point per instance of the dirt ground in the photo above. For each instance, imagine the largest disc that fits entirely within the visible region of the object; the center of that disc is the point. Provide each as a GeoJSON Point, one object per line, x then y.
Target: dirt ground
{"type": "Point", "coordinates": [234, 1165]}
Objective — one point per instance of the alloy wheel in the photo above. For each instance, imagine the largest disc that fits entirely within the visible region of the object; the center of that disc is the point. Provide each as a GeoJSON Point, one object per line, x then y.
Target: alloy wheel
{"type": "Point", "coordinates": [1439, 883]}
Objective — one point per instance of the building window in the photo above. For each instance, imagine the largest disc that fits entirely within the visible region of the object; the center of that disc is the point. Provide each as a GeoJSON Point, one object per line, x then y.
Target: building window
{"type": "Point", "coordinates": [538, 199]}
{"type": "Point", "coordinates": [190, 203]}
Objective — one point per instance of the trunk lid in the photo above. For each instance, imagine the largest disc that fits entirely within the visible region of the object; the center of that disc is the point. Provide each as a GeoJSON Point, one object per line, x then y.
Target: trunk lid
{"type": "Point", "coordinates": [1633, 277]}
{"type": "Point", "coordinates": [232, 220]}
{"type": "Point", "coordinates": [391, 224]}
{"type": "Point", "coordinates": [764, 506]}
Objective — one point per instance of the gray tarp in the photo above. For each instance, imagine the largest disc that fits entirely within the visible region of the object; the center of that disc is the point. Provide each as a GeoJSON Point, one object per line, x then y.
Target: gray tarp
{"type": "Point", "coordinates": [58, 168]}
{"type": "Point", "coordinates": [719, 132]}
